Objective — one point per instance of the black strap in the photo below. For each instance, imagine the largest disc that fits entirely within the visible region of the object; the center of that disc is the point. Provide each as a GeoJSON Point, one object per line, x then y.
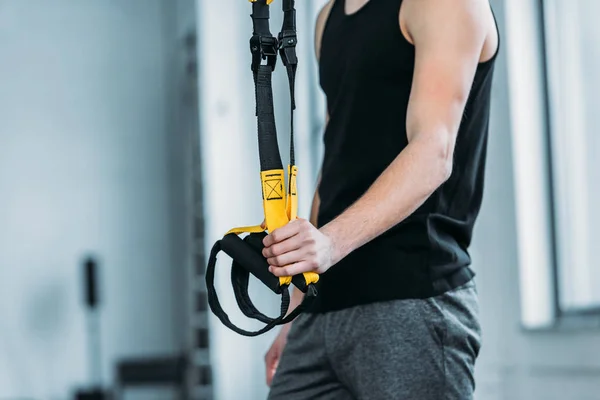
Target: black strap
{"type": "Point", "coordinates": [240, 280]}
{"type": "Point", "coordinates": [215, 305]}
{"type": "Point", "coordinates": [268, 148]}
{"type": "Point", "coordinates": [264, 47]}
{"type": "Point", "coordinates": [288, 39]}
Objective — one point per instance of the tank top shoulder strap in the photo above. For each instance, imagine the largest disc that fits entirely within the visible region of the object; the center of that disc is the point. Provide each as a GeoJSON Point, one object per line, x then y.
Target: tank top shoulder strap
{"type": "Point", "coordinates": [370, 8]}
{"type": "Point", "coordinates": [337, 12]}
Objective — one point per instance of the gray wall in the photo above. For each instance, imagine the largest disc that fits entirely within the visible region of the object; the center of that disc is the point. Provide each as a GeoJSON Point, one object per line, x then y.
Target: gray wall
{"type": "Point", "coordinates": [516, 364]}
{"type": "Point", "coordinates": [87, 165]}
{"type": "Point", "coordinates": [232, 194]}
{"type": "Point", "coordinates": [93, 125]}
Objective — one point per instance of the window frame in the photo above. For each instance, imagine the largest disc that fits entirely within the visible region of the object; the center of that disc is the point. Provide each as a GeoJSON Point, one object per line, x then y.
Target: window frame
{"type": "Point", "coordinates": [576, 313]}
{"type": "Point", "coordinates": [530, 130]}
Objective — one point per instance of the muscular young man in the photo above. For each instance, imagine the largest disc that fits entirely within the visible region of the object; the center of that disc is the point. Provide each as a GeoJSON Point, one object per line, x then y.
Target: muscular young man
{"type": "Point", "coordinates": [408, 98]}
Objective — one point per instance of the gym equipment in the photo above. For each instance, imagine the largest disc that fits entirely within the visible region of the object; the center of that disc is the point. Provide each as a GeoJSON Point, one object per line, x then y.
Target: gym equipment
{"type": "Point", "coordinates": [166, 371]}
{"type": "Point", "coordinates": [92, 301]}
{"type": "Point", "coordinates": [280, 206]}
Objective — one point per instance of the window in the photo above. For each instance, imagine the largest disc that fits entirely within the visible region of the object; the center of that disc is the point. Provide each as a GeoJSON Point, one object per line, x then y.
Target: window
{"type": "Point", "coordinates": [553, 59]}
{"type": "Point", "coordinates": [572, 55]}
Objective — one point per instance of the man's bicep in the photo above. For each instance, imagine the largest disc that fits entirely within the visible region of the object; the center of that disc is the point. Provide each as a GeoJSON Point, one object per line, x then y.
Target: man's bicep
{"type": "Point", "coordinates": [448, 45]}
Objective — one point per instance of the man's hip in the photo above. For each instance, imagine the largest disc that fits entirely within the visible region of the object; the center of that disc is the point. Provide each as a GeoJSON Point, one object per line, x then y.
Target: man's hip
{"type": "Point", "coordinates": [422, 349]}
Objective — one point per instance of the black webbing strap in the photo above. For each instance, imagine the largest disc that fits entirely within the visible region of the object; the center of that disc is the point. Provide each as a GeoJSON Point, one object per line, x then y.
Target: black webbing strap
{"type": "Point", "coordinates": [240, 280]}
{"type": "Point", "coordinates": [240, 277]}
{"type": "Point", "coordinates": [263, 46]}
{"type": "Point", "coordinates": [247, 253]}
{"type": "Point", "coordinates": [288, 39]}
{"type": "Point", "coordinates": [268, 148]}
{"type": "Point", "coordinates": [244, 302]}
{"type": "Point", "coordinates": [215, 305]}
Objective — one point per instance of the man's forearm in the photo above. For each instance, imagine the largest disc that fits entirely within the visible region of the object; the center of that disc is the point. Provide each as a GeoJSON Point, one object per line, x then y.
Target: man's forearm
{"type": "Point", "coordinates": [400, 190]}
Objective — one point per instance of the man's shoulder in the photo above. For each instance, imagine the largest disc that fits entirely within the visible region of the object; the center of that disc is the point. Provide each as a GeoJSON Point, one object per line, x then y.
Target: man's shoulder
{"type": "Point", "coordinates": [320, 25]}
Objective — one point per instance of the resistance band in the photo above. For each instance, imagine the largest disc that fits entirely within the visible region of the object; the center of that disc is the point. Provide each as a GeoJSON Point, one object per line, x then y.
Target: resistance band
{"type": "Point", "coordinates": [280, 201]}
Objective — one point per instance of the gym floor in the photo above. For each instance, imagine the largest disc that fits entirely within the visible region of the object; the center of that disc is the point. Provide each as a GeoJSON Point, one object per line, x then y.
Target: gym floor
{"type": "Point", "coordinates": [119, 121]}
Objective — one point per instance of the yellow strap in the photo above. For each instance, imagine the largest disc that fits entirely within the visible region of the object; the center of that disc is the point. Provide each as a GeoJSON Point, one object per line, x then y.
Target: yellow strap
{"type": "Point", "coordinates": [274, 205]}
{"type": "Point", "coordinates": [246, 229]}
{"type": "Point", "coordinates": [292, 194]}
{"type": "Point", "coordinates": [273, 194]}
{"type": "Point", "coordinates": [311, 277]}
{"type": "Point", "coordinates": [280, 210]}
{"type": "Point", "coordinates": [268, 1]}
{"type": "Point", "coordinates": [292, 212]}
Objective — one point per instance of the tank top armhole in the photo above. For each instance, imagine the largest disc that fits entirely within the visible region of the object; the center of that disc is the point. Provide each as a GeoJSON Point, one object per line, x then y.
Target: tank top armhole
{"type": "Point", "coordinates": [402, 33]}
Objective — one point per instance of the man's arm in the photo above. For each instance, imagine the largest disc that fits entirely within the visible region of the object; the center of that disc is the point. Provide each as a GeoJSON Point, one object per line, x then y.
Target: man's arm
{"type": "Point", "coordinates": [448, 37]}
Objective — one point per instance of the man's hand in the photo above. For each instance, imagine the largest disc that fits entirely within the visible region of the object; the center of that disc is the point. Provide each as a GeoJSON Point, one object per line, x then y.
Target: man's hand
{"type": "Point", "coordinates": [298, 247]}
{"type": "Point", "coordinates": [274, 354]}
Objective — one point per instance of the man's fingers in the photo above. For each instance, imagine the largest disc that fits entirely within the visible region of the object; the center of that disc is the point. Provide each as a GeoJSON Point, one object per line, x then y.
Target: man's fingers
{"type": "Point", "coordinates": [271, 362]}
{"type": "Point", "coordinates": [286, 259]}
{"type": "Point", "coordinates": [271, 373]}
{"type": "Point", "coordinates": [283, 233]}
{"type": "Point", "coordinates": [293, 269]}
{"type": "Point", "coordinates": [278, 249]}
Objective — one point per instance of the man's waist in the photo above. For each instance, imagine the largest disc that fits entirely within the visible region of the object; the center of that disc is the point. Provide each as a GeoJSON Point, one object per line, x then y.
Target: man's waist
{"type": "Point", "coordinates": [350, 284]}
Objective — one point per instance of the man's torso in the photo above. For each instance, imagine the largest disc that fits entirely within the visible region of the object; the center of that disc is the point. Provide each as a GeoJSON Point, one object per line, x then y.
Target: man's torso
{"type": "Point", "coordinates": [366, 71]}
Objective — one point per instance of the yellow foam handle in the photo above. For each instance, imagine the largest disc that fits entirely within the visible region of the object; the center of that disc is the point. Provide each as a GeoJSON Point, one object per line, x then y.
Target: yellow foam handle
{"type": "Point", "coordinates": [268, 1]}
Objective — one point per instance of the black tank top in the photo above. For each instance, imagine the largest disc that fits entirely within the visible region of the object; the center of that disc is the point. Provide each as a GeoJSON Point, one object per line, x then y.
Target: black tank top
{"type": "Point", "coordinates": [366, 71]}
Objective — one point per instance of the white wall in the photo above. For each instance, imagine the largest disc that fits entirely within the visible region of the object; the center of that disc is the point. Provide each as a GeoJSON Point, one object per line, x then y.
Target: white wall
{"type": "Point", "coordinates": [514, 364]}
{"type": "Point", "coordinates": [231, 168]}
{"type": "Point", "coordinates": [84, 167]}
{"type": "Point", "coordinates": [232, 197]}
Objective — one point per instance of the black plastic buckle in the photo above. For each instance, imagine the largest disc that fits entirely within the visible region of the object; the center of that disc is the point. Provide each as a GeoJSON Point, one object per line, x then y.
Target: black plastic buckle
{"type": "Point", "coordinates": [287, 47]}
{"type": "Point", "coordinates": [263, 48]}
{"type": "Point", "coordinates": [287, 39]}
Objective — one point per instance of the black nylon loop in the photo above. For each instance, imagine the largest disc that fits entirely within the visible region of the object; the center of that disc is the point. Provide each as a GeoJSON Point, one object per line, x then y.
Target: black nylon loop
{"type": "Point", "coordinates": [263, 46]}
{"type": "Point", "coordinates": [240, 281]}
{"type": "Point", "coordinates": [215, 305]}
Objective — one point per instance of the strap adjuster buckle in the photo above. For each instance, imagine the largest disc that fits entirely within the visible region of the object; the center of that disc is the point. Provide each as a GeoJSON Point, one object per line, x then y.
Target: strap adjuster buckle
{"type": "Point", "coordinates": [263, 48]}
{"type": "Point", "coordinates": [287, 47]}
{"type": "Point", "coordinates": [287, 39]}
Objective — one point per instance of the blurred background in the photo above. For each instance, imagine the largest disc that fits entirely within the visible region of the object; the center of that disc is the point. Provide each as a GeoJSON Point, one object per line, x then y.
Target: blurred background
{"type": "Point", "coordinates": [128, 146]}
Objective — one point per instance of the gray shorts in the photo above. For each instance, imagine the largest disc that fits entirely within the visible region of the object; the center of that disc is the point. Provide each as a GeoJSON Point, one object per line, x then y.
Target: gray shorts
{"type": "Point", "coordinates": [415, 349]}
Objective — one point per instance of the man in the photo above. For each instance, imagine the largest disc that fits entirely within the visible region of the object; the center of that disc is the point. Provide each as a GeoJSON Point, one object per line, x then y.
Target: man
{"type": "Point", "coordinates": [408, 95]}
